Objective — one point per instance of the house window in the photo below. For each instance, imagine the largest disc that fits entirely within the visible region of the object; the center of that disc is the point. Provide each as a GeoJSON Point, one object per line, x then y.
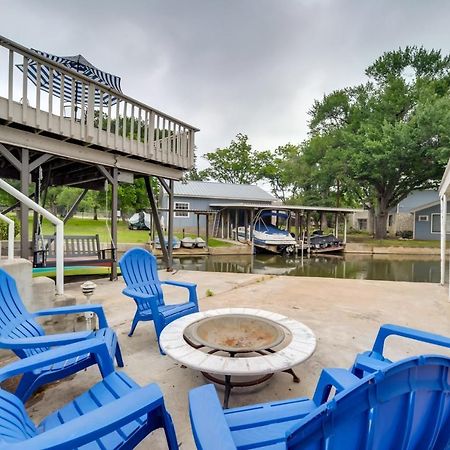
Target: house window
{"type": "Point", "coordinates": [423, 218]}
{"type": "Point", "coordinates": [436, 223]}
{"type": "Point", "coordinates": [179, 206]}
{"type": "Point", "coordinates": [390, 220]}
{"type": "Point", "coordinates": [362, 224]}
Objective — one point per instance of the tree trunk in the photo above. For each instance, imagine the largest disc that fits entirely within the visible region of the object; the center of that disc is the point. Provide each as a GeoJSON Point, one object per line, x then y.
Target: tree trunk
{"type": "Point", "coordinates": [381, 215]}
{"type": "Point", "coordinates": [95, 212]}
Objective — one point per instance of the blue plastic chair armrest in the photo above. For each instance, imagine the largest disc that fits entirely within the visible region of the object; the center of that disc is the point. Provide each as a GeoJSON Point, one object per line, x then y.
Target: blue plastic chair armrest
{"type": "Point", "coordinates": [48, 340]}
{"type": "Point", "coordinates": [94, 346]}
{"type": "Point", "coordinates": [73, 309]}
{"type": "Point", "coordinates": [366, 362]}
{"type": "Point", "coordinates": [95, 424]}
{"type": "Point", "coordinates": [133, 293]}
{"type": "Point", "coordinates": [208, 421]}
{"type": "Point", "coordinates": [338, 378]}
{"type": "Point", "coordinates": [411, 333]}
{"type": "Point", "coordinates": [192, 287]}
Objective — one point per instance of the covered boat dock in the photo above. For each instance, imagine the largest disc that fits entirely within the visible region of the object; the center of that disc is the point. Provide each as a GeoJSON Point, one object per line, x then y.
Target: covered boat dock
{"type": "Point", "coordinates": [230, 216]}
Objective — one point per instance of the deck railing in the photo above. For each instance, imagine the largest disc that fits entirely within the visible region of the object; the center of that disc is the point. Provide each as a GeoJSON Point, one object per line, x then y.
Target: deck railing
{"type": "Point", "coordinates": [100, 116]}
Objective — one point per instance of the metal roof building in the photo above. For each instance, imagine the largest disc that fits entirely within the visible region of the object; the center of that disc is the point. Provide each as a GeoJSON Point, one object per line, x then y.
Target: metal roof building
{"type": "Point", "coordinates": [226, 191]}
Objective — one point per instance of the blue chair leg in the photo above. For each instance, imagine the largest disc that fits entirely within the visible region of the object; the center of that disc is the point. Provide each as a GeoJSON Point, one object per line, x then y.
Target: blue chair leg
{"type": "Point", "coordinates": [158, 329]}
{"type": "Point", "coordinates": [133, 326]}
{"type": "Point", "coordinates": [26, 386]}
{"type": "Point", "coordinates": [118, 356]}
{"type": "Point", "coordinates": [169, 429]}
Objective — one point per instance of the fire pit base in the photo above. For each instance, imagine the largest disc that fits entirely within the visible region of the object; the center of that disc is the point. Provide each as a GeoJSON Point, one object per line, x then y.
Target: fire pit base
{"type": "Point", "coordinates": [229, 384]}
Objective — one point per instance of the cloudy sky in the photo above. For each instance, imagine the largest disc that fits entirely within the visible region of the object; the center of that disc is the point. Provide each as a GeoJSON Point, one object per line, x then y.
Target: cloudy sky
{"type": "Point", "coordinates": [230, 66]}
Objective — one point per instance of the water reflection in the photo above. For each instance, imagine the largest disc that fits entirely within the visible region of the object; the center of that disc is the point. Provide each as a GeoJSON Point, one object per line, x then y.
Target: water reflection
{"type": "Point", "coordinates": [370, 267]}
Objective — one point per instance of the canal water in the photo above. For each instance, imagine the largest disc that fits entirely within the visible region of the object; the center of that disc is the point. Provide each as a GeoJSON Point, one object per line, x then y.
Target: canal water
{"type": "Point", "coordinates": [356, 266]}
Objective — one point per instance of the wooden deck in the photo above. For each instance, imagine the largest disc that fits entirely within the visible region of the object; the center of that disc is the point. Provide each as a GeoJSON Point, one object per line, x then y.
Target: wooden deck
{"type": "Point", "coordinates": [119, 131]}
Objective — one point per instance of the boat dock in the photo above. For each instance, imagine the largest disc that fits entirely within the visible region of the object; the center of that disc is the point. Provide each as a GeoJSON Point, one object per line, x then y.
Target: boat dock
{"type": "Point", "coordinates": [231, 216]}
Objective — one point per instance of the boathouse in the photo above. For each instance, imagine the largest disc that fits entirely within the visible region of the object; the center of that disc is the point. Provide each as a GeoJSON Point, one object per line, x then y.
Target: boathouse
{"type": "Point", "coordinates": [193, 199]}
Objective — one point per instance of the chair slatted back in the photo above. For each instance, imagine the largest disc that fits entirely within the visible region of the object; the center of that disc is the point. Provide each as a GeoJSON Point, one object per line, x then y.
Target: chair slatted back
{"type": "Point", "coordinates": [15, 321]}
{"type": "Point", "coordinates": [140, 269]}
{"type": "Point", "coordinates": [15, 424]}
{"type": "Point", "coordinates": [406, 406]}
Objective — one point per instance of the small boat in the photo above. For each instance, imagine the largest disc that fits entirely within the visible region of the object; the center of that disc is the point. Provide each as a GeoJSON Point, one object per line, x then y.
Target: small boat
{"type": "Point", "coordinates": [199, 242]}
{"type": "Point", "coordinates": [139, 221]}
{"type": "Point", "coordinates": [187, 242]}
{"type": "Point", "coordinates": [321, 243]}
{"type": "Point", "coordinates": [176, 243]}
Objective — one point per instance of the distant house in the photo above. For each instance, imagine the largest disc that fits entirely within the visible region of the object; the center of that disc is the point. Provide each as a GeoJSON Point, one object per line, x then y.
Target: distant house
{"type": "Point", "coordinates": [427, 221]}
{"type": "Point", "coordinates": [193, 196]}
{"type": "Point", "coordinates": [401, 217]}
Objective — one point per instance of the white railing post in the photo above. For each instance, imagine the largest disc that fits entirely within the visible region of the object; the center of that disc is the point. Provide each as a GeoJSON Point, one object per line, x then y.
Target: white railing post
{"type": "Point", "coordinates": [53, 219]}
{"type": "Point", "coordinates": [443, 235]}
{"type": "Point", "coordinates": [10, 223]}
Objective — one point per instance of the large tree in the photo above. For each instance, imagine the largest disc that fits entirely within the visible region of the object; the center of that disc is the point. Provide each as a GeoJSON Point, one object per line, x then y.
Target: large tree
{"type": "Point", "coordinates": [392, 134]}
{"type": "Point", "coordinates": [237, 163]}
{"type": "Point", "coordinates": [277, 170]}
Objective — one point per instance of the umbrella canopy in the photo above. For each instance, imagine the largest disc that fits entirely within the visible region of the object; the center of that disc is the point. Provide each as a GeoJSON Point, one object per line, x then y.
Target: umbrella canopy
{"type": "Point", "coordinates": [80, 65]}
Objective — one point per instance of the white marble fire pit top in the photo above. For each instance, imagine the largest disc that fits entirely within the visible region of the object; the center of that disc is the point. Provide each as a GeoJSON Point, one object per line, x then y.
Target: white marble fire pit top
{"type": "Point", "coordinates": [300, 347]}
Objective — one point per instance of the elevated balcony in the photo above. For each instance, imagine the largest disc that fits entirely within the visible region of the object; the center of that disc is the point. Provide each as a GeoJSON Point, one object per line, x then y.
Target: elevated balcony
{"type": "Point", "coordinates": [103, 126]}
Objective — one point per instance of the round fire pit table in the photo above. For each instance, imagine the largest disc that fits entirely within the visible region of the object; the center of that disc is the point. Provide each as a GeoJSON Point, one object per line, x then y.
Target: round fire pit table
{"type": "Point", "coordinates": [244, 343]}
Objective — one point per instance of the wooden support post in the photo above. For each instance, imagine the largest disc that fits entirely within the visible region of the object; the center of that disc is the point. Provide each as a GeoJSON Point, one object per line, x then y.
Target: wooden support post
{"type": "Point", "coordinates": [74, 207]}
{"type": "Point", "coordinates": [198, 225]}
{"type": "Point", "coordinates": [222, 234]}
{"type": "Point", "coordinates": [236, 237]}
{"type": "Point", "coordinates": [297, 226]}
{"type": "Point", "coordinates": [170, 228]}
{"type": "Point", "coordinates": [308, 238]}
{"type": "Point", "coordinates": [345, 229]}
{"type": "Point", "coordinates": [337, 225]}
{"type": "Point", "coordinates": [24, 187]}
{"type": "Point", "coordinates": [207, 229]}
{"type": "Point", "coordinates": [36, 218]}
{"type": "Point", "coordinates": [114, 207]}
{"type": "Point", "coordinates": [246, 237]}
{"type": "Point", "coordinates": [228, 224]}
{"type": "Point", "coordinates": [156, 219]}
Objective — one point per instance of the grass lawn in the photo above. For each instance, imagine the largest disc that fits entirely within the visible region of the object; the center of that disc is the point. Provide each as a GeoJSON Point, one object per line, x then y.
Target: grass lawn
{"type": "Point", "coordinates": [77, 226]}
{"type": "Point", "coordinates": [361, 238]}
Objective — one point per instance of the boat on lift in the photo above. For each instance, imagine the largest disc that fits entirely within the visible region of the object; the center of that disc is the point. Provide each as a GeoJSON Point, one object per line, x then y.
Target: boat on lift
{"type": "Point", "coordinates": [140, 221]}
{"type": "Point", "coordinates": [268, 237]}
{"type": "Point", "coordinates": [321, 243]}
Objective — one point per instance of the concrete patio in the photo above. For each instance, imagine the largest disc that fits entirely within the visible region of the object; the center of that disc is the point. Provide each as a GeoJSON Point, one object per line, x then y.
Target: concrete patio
{"type": "Point", "coordinates": [344, 315]}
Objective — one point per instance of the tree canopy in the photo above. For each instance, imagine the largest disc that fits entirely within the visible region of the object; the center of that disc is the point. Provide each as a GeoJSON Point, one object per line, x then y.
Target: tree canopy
{"type": "Point", "coordinates": [390, 135]}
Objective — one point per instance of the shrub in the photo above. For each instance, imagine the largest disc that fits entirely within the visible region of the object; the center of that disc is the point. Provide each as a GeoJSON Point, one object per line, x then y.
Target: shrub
{"type": "Point", "coordinates": [4, 229]}
{"type": "Point", "coordinates": [408, 234]}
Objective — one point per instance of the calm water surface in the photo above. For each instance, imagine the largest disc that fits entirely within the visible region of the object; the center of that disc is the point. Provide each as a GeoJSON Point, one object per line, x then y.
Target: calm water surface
{"type": "Point", "coordinates": [370, 267]}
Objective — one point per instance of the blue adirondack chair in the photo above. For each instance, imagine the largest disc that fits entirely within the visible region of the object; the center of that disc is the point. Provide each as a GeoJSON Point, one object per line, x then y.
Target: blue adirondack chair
{"type": "Point", "coordinates": [403, 406]}
{"type": "Point", "coordinates": [21, 333]}
{"type": "Point", "coordinates": [140, 272]}
{"type": "Point", "coordinates": [114, 413]}
{"type": "Point", "coordinates": [370, 361]}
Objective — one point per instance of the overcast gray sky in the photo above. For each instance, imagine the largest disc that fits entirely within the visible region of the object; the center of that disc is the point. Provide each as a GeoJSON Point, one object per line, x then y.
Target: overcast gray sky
{"type": "Point", "coordinates": [230, 66]}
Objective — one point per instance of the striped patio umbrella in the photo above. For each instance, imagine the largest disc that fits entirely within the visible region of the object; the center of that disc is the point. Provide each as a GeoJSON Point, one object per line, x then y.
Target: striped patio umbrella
{"type": "Point", "coordinates": [80, 65]}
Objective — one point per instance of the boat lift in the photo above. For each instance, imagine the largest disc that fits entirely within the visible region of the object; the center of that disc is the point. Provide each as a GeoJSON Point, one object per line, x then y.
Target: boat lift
{"type": "Point", "coordinates": [230, 214]}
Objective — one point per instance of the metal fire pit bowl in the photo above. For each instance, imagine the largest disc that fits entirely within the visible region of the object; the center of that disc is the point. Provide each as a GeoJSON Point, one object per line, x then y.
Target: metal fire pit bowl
{"type": "Point", "coordinates": [235, 333]}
